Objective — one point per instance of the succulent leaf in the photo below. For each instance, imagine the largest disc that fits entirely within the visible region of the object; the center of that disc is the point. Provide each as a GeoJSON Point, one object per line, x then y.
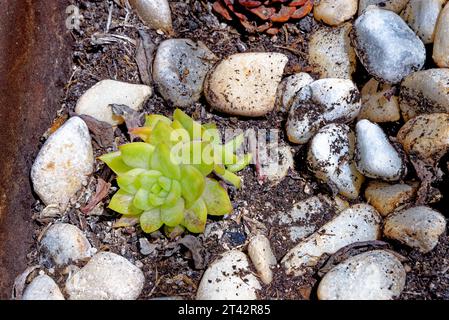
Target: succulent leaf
{"type": "Point", "coordinates": [195, 217]}
{"type": "Point", "coordinates": [162, 161]}
{"type": "Point", "coordinates": [174, 214]}
{"type": "Point", "coordinates": [122, 202]}
{"type": "Point", "coordinates": [137, 154]}
{"type": "Point", "coordinates": [151, 221]}
{"type": "Point", "coordinates": [115, 162]}
{"type": "Point", "coordinates": [216, 198]}
{"type": "Point", "coordinates": [192, 183]}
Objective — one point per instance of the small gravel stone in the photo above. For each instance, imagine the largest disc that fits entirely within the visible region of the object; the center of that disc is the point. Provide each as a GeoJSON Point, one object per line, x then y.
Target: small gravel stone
{"type": "Point", "coordinates": [95, 101]}
{"type": "Point", "coordinates": [179, 70]}
{"type": "Point", "coordinates": [261, 254]}
{"type": "Point", "coordinates": [373, 275]}
{"type": "Point", "coordinates": [154, 13]}
{"type": "Point", "coordinates": [358, 223]}
{"type": "Point", "coordinates": [42, 288]}
{"type": "Point", "coordinates": [375, 156]}
{"type": "Point", "coordinates": [379, 103]}
{"type": "Point", "coordinates": [330, 157]}
{"type": "Point", "coordinates": [146, 248]}
{"type": "Point", "coordinates": [386, 197]}
{"type": "Point", "coordinates": [386, 46]}
{"type": "Point", "coordinates": [229, 278]}
{"type": "Point", "coordinates": [394, 5]}
{"type": "Point", "coordinates": [331, 53]}
{"type": "Point", "coordinates": [290, 86]}
{"type": "Point", "coordinates": [107, 276]}
{"type": "Point", "coordinates": [418, 227]}
{"type": "Point", "coordinates": [245, 84]}
{"type": "Point", "coordinates": [425, 92]}
{"type": "Point", "coordinates": [426, 136]}
{"type": "Point", "coordinates": [323, 101]}
{"type": "Point", "coordinates": [334, 12]}
{"type": "Point", "coordinates": [275, 159]}
{"type": "Point", "coordinates": [63, 244]}
{"type": "Point", "coordinates": [63, 164]}
{"type": "Point", "coordinates": [422, 17]}
{"type": "Point", "coordinates": [441, 44]}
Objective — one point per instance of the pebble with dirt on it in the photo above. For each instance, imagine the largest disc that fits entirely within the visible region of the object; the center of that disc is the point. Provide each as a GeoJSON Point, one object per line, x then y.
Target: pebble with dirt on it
{"type": "Point", "coordinates": [386, 197]}
{"type": "Point", "coordinates": [418, 227]}
{"type": "Point", "coordinates": [63, 244]}
{"type": "Point", "coordinates": [422, 17]}
{"type": "Point", "coordinates": [425, 92]}
{"type": "Point", "coordinates": [290, 86]}
{"type": "Point", "coordinates": [179, 69]}
{"type": "Point", "coordinates": [96, 101]}
{"type": "Point", "coordinates": [331, 53]}
{"type": "Point", "coordinates": [154, 13]}
{"type": "Point", "coordinates": [394, 5]}
{"type": "Point", "coordinates": [426, 137]}
{"type": "Point", "coordinates": [245, 84]}
{"type": "Point", "coordinates": [262, 257]}
{"type": "Point", "coordinates": [358, 223]}
{"type": "Point", "coordinates": [441, 43]}
{"type": "Point", "coordinates": [380, 102]}
{"type": "Point", "coordinates": [386, 46]}
{"type": "Point", "coordinates": [335, 12]}
{"type": "Point", "coordinates": [63, 164]}
{"type": "Point", "coordinates": [229, 278]}
{"type": "Point", "coordinates": [107, 276]}
{"type": "Point", "coordinates": [323, 101]}
{"type": "Point", "coordinates": [276, 159]}
{"type": "Point", "coordinates": [375, 155]}
{"type": "Point", "coordinates": [43, 288]}
{"type": "Point", "coordinates": [373, 275]}
{"type": "Point", "coordinates": [331, 159]}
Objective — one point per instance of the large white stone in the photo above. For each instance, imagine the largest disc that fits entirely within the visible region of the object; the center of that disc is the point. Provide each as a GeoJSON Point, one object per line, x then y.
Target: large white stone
{"type": "Point", "coordinates": [376, 157]}
{"type": "Point", "coordinates": [63, 164]}
{"type": "Point", "coordinates": [229, 278]}
{"type": "Point", "coordinates": [107, 276]}
{"type": "Point", "coordinates": [42, 288]}
{"type": "Point", "coordinates": [261, 254]}
{"type": "Point", "coordinates": [358, 223]}
{"type": "Point", "coordinates": [334, 12]}
{"type": "Point", "coordinates": [179, 70]}
{"type": "Point", "coordinates": [387, 197]}
{"type": "Point", "coordinates": [441, 44]}
{"type": "Point", "coordinates": [95, 101]}
{"type": "Point", "coordinates": [323, 101]}
{"type": "Point", "coordinates": [331, 53]}
{"type": "Point", "coordinates": [154, 13]}
{"type": "Point", "coordinates": [394, 5]}
{"type": "Point", "coordinates": [386, 46]}
{"type": "Point", "coordinates": [64, 243]}
{"type": "Point", "coordinates": [245, 84]}
{"type": "Point", "coordinates": [290, 86]}
{"type": "Point", "coordinates": [373, 275]}
{"type": "Point", "coordinates": [331, 158]}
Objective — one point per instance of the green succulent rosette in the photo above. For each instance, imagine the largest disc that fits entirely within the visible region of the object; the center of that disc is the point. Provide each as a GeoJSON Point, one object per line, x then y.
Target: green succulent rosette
{"type": "Point", "coordinates": [166, 179]}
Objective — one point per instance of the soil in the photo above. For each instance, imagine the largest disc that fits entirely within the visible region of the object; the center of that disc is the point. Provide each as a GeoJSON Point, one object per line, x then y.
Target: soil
{"type": "Point", "coordinates": [170, 270]}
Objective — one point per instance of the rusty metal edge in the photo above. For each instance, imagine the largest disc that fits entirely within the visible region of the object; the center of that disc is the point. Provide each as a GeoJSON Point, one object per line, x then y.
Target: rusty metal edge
{"type": "Point", "coordinates": [34, 66]}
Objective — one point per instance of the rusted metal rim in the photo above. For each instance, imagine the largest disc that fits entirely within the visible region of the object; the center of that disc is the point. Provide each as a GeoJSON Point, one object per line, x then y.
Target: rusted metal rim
{"type": "Point", "coordinates": [34, 65]}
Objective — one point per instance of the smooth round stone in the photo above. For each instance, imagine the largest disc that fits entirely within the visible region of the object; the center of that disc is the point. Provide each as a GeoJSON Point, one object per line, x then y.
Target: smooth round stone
{"type": "Point", "coordinates": [393, 5]}
{"type": "Point", "coordinates": [417, 227]}
{"type": "Point", "coordinates": [262, 257]}
{"type": "Point", "coordinates": [386, 46]}
{"type": "Point", "coordinates": [229, 278]}
{"type": "Point", "coordinates": [245, 84]}
{"type": "Point", "coordinates": [64, 243]}
{"type": "Point", "coordinates": [373, 275]}
{"type": "Point", "coordinates": [422, 17]}
{"type": "Point", "coordinates": [323, 101]}
{"type": "Point", "coordinates": [375, 155]}
{"type": "Point", "coordinates": [331, 53]}
{"type": "Point", "coordinates": [441, 43]}
{"type": "Point", "coordinates": [95, 101]}
{"type": "Point", "coordinates": [107, 276]}
{"type": "Point", "coordinates": [154, 13]}
{"type": "Point", "coordinates": [42, 288]}
{"type": "Point", "coordinates": [179, 70]}
{"type": "Point", "coordinates": [290, 86]}
{"type": "Point", "coordinates": [358, 223]}
{"type": "Point", "coordinates": [386, 197]}
{"type": "Point", "coordinates": [275, 159]}
{"type": "Point", "coordinates": [63, 164]}
{"type": "Point", "coordinates": [334, 12]}
{"type": "Point", "coordinates": [378, 103]}
{"type": "Point", "coordinates": [330, 157]}
{"type": "Point", "coordinates": [426, 136]}
{"type": "Point", "coordinates": [425, 92]}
